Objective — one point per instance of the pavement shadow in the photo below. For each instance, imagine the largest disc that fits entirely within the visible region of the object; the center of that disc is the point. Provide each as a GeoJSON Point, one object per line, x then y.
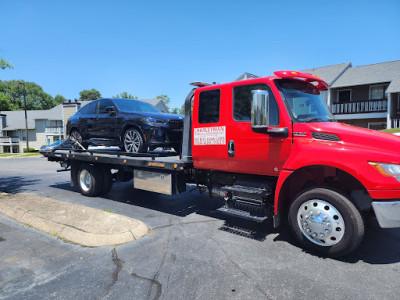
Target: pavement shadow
{"type": "Point", "coordinates": [187, 203]}
{"type": "Point", "coordinates": [15, 184]}
{"type": "Point", "coordinates": [64, 186]}
{"type": "Point", "coordinates": [179, 205]}
{"type": "Point", "coordinates": [379, 246]}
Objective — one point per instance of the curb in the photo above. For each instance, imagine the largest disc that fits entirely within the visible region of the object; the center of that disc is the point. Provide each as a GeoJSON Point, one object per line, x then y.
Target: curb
{"type": "Point", "coordinates": [71, 222]}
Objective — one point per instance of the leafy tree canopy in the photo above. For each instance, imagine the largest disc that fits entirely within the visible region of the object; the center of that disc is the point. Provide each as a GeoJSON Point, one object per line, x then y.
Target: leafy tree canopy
{"type": "Point", "coordinates": [4, 103]}
{"type": "Point", "coordinates": [182, 109]}
{"type": "Point", "coordinates": [88, 95]}
{"type": "Point", "coordinates": [175, 110]}
{"type": "Point", "coordinates": [58, 99]}
{"type": "Point", "coordinates": [5, 64]}
{"type": "Point", "coordinates": [13, 92]}
{"type": "Point", "coordinates": [165, 99]}
{"type": "Point", "coordinates": [125, 95]}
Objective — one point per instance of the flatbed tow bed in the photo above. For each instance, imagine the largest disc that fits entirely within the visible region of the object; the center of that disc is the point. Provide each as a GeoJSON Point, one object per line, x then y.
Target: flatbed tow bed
{"type": "Point", "coordinates": [153, 160]}
{"type": "Point", "coordinates": [95, 170]}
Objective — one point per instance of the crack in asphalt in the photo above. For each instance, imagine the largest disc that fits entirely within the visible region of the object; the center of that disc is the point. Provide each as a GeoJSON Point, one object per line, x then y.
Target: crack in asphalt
{"type": "Point", "coordinates": [118, 264]}
{"type": "Point", "coordinates": [153, 281]}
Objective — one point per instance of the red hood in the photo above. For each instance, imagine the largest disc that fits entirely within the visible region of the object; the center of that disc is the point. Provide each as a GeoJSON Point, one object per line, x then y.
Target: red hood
{"type": "Point", "coordinates": [355, 137]}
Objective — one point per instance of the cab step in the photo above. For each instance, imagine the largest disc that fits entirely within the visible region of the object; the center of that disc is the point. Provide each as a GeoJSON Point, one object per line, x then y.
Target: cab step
{"type": "Point", "coordinates": [241, 214]}
{"type": "Point", "coordinates": [248, 192]}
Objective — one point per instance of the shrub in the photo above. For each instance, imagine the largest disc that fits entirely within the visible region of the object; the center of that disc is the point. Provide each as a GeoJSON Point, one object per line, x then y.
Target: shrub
{"type": "Point", "coordinates": [29, 150]}
{"type": "Point", "coordinates": [392, 130]}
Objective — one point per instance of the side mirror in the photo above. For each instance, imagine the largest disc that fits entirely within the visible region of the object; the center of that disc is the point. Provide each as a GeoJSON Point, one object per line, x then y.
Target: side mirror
{"type": "Point", "coordinates": [111, 110]}
{"type": "Point", "coordinates": [260, 109]}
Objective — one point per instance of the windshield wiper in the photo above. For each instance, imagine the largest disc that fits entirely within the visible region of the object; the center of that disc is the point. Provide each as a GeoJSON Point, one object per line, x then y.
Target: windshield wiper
{"type": "Point", "coordinates": [315, 120]}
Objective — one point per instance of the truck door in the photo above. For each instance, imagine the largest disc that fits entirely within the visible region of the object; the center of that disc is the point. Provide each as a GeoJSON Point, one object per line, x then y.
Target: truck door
{"type": "Point", "coordinates": [209, 129]}
{"type": "Point", "coordinates": [256, 151]}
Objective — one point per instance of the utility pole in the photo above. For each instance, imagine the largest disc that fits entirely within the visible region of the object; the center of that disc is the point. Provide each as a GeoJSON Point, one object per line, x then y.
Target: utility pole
{"type": "Point", "coordinates": [26, 122]}
{"type": "Point", "coordinates": [26, 118]}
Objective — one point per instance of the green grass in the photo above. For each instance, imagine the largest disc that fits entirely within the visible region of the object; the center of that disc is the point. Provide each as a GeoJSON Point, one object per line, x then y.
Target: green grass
{"type": "Point", "coordinates": [109, 210]}
{"type": "Point", "coordinates": [19, 154]}
{"type": "Point", "coordinates": [392, 130]}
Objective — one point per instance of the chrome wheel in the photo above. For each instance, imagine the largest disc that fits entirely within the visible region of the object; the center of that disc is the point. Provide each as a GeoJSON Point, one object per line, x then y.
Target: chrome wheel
{"type": "Point", "coordinates": [320, 222]}
{"type": "Point", "coordinates": [132, 141]}
{"type": "Point", "coordinates": [85, 180]}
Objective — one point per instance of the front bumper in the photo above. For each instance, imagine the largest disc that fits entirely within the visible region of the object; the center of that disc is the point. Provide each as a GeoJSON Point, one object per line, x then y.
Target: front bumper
{"type": "Point", "coordinates": [387, 213]}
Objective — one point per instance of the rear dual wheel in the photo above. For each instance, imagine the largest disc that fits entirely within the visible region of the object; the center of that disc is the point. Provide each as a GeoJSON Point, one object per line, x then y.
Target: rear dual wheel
{"type": "Point", "coordinates": [94, 180]}
{"type": "Point", "coordinates": [325, 221]}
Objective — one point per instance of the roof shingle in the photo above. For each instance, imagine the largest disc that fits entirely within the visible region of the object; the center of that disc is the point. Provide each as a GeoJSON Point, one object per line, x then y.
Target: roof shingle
{"type": "Point", "coordinates": [372, 74]}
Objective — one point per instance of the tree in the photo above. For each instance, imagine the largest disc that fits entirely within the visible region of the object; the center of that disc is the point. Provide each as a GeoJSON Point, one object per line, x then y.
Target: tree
{"type": "Point", "coordinates": [15, 90]}
{"type": "Point", "coordinates": [5, 64]}
{"type": "Point", "coordinates": [165, 99]}
{"type": "Point", "coordinates": [125, 95]}
{"type": "Point", "coordinates": [182, 110]}
{"type": "Point", "coordinates": [58, 99]}
{"type": "Point", "coordinates": [175, 111]}
{"type": "Point", "coordinates": [88, 95]}
{"type": "Point", "coordinates": [4, 104]}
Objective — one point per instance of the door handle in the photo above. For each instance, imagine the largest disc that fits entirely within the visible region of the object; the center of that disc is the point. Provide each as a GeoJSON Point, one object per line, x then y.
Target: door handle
{"type": "Point", "coordinates": [231, 149]}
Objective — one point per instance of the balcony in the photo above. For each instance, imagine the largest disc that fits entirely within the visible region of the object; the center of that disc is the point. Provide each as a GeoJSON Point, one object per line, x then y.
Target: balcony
{"type": "Point", "coordinates": [54, 130]}
{"type": "Point", "coordinates": [360, 107]}
{"type": "Point", "coordinates": [8, 141]}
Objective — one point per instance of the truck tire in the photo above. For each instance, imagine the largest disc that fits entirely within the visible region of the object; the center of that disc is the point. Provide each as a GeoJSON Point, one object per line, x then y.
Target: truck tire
{"type": "Point", "coordinates": [90, 180]}
{"type": "Point", "coordinates": [326, 222]}
{"type": "Point", "coordinates": [107, 181]}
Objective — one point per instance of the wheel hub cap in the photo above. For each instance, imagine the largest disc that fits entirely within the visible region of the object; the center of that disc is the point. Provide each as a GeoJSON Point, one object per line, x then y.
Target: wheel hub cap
{"type": "Point", "coordinates": [132, 141]}
{"type": "Point", "coordinates": [85, 180]}
{"type": "Point", "coordinates": [321, 222]}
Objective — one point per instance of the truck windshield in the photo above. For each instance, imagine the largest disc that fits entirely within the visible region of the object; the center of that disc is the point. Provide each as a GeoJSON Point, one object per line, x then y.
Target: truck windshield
{"type": "Point", "coordinates": [304, 101]}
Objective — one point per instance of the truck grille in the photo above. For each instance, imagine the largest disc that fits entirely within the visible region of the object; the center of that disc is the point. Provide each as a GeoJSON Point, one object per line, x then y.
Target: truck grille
{"type": "Point", "coordinates": [175, 124]}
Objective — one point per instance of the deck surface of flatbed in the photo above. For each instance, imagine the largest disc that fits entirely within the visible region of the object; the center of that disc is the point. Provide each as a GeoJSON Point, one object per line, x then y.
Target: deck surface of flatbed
{"type": "Point", "coordinates": [165, 160]}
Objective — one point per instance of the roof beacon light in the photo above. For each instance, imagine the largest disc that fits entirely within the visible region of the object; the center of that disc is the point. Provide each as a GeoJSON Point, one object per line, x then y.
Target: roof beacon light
{"type": "Point", "coordinates": [200, 83]}
{"type": "Point", "coordinates": [318, 82]}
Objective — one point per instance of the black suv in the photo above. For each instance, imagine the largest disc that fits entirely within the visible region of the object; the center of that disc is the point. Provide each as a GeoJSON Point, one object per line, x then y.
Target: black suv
{"type": "Point", "coordinates": [133, 125]}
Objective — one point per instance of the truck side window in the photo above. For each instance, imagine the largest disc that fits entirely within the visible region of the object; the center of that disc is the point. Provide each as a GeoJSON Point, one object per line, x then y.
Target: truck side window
{"type": "Point", "coordinates": [242, 103]}
{"type": "Point", "coordinates": [209, 106]}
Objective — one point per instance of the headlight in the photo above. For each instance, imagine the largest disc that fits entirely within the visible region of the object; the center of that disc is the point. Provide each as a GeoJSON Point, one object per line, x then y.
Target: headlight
{"type": "Point", "coordinates": [391, 170]}
{"type": "Point", "coordinates": [154, 121]}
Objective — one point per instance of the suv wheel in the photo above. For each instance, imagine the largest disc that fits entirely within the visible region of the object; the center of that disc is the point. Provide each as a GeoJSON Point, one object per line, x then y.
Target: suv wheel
{"type": "Point", "coordinates": [133, 141]}
{"type": "Point", "coordinates": [75, 135]}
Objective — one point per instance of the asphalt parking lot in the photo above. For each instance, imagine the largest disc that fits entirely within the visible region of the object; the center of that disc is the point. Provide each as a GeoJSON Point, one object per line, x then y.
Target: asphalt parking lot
{"type": "Point", "coordinates": [191, 252]}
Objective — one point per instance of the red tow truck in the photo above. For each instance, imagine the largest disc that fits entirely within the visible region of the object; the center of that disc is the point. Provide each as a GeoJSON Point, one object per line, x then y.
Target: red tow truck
{"type": "Point", "coordinates": [270, 148]}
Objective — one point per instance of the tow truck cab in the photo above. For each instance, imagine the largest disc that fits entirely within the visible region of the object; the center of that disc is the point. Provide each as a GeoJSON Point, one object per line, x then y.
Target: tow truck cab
{"type": "Point", "coordinates": [278, 129]}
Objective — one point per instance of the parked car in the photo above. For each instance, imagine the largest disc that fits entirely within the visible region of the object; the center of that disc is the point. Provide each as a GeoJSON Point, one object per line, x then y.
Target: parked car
{"type": "Point", "coordinates": [135, 126]}
{"type": "Point", "coordinates": [60, 144]}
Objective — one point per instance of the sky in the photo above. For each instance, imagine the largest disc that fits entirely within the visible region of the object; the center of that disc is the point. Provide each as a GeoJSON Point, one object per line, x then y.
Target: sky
{"type": "Point", "coordinates": [153, 47]}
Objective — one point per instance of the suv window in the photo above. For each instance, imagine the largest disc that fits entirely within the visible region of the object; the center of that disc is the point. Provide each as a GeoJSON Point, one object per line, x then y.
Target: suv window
{"type": "Point", "coordinates": [209, 106]}
{"type": "Point", "coordinates": [242, 103]}
{"type": "Point", "coordinates": [103, 104]}
{"type": "Point", "coordinates": [89, 109]}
